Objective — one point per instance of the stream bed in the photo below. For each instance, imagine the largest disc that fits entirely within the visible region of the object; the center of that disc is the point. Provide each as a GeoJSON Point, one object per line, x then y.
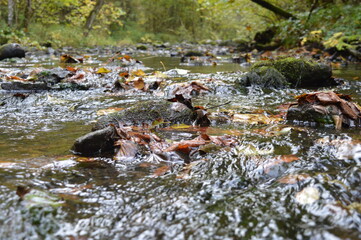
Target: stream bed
{"type": "Point", "coordinates": [280, 182]}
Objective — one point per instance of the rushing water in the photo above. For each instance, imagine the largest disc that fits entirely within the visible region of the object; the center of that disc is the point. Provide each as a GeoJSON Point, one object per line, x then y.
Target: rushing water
{"type": "Point", "coordinates": [244, 192]}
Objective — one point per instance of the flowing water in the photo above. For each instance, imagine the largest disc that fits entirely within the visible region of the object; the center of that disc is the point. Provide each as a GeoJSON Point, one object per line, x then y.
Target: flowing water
{"type": "Point", "coordinates": [279, 182]}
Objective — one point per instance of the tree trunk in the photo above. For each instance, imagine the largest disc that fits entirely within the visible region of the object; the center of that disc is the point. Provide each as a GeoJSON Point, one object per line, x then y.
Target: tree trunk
{"type": "Point", "coordinates": [276, 10]}
{"type": "Point", "coordinates": [11, 10]}
{"type": "Point", "coordinates": [92, 16]}
{"type": "Point", "coordinates": [27, 14]}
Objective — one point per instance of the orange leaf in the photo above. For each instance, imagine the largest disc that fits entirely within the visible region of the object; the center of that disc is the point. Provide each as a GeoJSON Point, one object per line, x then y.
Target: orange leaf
{"type": "Point", "coordinates": [71, 69]}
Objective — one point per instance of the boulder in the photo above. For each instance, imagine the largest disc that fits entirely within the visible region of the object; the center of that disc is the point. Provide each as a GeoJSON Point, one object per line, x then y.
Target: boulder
{"type": "Point", "coordinates": [11, 50]}
{"type": "Point", "coordinates": [147, 112]}
{"type": "Point", "coordinates": [100, 142]}
{"type": "Point", "coordinates": [290, 71]}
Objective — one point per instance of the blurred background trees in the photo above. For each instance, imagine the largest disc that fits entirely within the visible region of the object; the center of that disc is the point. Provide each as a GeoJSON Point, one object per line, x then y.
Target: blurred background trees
{"type": "Point", "coordinates": [94, 22]}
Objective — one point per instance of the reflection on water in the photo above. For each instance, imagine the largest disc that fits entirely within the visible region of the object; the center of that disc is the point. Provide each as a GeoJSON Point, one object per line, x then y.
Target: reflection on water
{"type": "Point", "coordinates": [253, 191]}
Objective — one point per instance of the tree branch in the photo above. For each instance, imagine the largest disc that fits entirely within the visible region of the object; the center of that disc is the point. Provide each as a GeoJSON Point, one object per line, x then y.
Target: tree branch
{"type": "Point", "coordinates": [276, 10]}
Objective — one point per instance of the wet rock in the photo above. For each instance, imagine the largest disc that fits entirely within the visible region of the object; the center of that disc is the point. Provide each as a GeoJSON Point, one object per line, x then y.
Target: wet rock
{"type": "Point", "coordinates": [100, 141]}
{"type": "Point", "coordinates": [11, 50]}
{"type": "Point", "coordinates": [96, 143]}
{"type": "Point", "coordinates": [289, 72]}
{"type": "Point", "coordinates": [24, 86]}
{"type": "Point", "coordinates": [147, 112]}
{"type": "Point", "coordinates": [53, 76]}
{"type": "Point", "coordinates": [323, 108]}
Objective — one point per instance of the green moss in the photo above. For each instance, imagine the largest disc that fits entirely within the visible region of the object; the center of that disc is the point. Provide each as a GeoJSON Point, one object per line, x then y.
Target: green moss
{"type": "Point", "coordinates": [147, 112]}
{"type": "Point", "coordinates": [342, 42]}
{"type": "Point", "coordinates": [297, 72]}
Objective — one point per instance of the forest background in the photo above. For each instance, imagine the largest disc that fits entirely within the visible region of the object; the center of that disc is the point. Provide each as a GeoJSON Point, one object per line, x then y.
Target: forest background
{"type": "Point", "coordinates": [86, 23]}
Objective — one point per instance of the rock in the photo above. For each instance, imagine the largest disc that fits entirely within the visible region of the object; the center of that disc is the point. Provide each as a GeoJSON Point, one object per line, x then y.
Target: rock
{"type": "Point", "coordinates": [147, 112]}
{"type": "Point", "coordinates": [24, 86]}
{"type": "Point", "coordinates": [96, 143]}
{"type": "Point", "coordinates": [100, 142]}
{"type": "Point", "coordinates": [289, 72]}
{"type": "Point", "coordinates": [11, 50]}
{"type": "Point", "coordinates": [322, 108]}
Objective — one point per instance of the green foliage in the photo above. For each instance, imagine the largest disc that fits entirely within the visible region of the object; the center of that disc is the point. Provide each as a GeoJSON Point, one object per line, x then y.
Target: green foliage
{"type": "Point", "coordinates": [61, 22]}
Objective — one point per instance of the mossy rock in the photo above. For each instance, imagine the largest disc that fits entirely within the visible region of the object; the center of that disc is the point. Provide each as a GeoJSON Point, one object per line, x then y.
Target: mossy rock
{"type": "Point", "coordinates": [147, 112]}
{"type": "Point", "coordinates": [267, 77]}
{"type": "Point", "coordinates": [345, 45]}
{"type": "Point", "coordinates": [298, 72]}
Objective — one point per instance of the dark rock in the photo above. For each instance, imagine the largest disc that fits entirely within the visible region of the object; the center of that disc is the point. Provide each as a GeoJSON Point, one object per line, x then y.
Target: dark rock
{"type": "Point", "coordinates": [96, 143]}
{"type": "Point", "coordinates": [265, 36]}
{"type": "Point", "coordinates": [24, 86]}
{"type": "Point", "coordinates": [53, 76]}
{"type": "Point", "coordinates": [101, 141]}
{"type": "Point", "coordinates": [11, 50]}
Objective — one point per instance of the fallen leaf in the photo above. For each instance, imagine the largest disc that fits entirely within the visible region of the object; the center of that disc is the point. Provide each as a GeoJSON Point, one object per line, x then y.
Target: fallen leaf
{"type": "Point", "coordinates": [180, 126]}
{"type": "Point", "coordinates": [16, 78]}
{"type": "Point", "coordinates": [103, 70]}
{"type": "Point", "coordinates": [71, 69]}
{"type": "Point", "coordinates": [107, 111]}
{"type": "Point", "coordinates": [139, 73]}
{"type": "Point", "coordinates": [161, 171]}
{"type": "Point", "coordinates": [65, 58]}
{"type": "Point", "coordinates": [255, 118]}
{"type": "Point", "coordinates": [293, 178]}
{"type": "Point", "coordinates": [139, 84]}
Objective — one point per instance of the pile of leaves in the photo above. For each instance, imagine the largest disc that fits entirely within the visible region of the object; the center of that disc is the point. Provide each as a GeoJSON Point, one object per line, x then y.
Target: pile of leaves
{"type": "Point", "coordinates": [338, 107]}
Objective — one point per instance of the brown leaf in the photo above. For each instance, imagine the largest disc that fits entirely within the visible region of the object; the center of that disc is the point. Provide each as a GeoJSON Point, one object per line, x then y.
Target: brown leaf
{"type": "Point", "coordinates": [65, 58]}
{"type": "Point", "coordinates": [139, 84]}
{"type": "Point", "coordinates": [293, 178]}
{"type": "Point", "coordinates": [161, 171]}
{"type": "Point", "coordinates": [127, 149]}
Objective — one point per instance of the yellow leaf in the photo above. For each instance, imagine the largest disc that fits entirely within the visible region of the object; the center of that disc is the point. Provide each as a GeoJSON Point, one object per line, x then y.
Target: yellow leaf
{"type": "Point", "coordinates": [138, 73]}
{"type": "Point", "coordinates": [180, 126]}
{"type": "Point", "coordinates": [108, 111]}
{"type": "Point", "coordinates": [103, 70]}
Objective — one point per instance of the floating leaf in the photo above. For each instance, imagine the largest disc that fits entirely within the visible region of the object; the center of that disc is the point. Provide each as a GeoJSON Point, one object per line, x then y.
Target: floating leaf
{"type": "Point", "coordinates": [139, 84]}
{"type": "Point", "coordinates": [161, 171]}
{"type": "Point", "coordinates": [293, 178]}
{"type": "Point", "coordinates": [308, 195]}
{"type": "Point", "coordinates": [103, 70]}
{"type": "Point", "coordinates": [71, 69]}
{"type": "Point", "coordinates": [65, 58]}
{"type": "Point", "coordinates": [107, 111]}
{"type": "Point", "coordinates": [255, 118]}
{"type": "Point", "coordinates": [16, 78]}
{"type": "Point", "coordinates": [180, 126]}
{"type": "Point", "coordinates": [34, 198]}
{"type": "Point", "coordinates": [139, 73]}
